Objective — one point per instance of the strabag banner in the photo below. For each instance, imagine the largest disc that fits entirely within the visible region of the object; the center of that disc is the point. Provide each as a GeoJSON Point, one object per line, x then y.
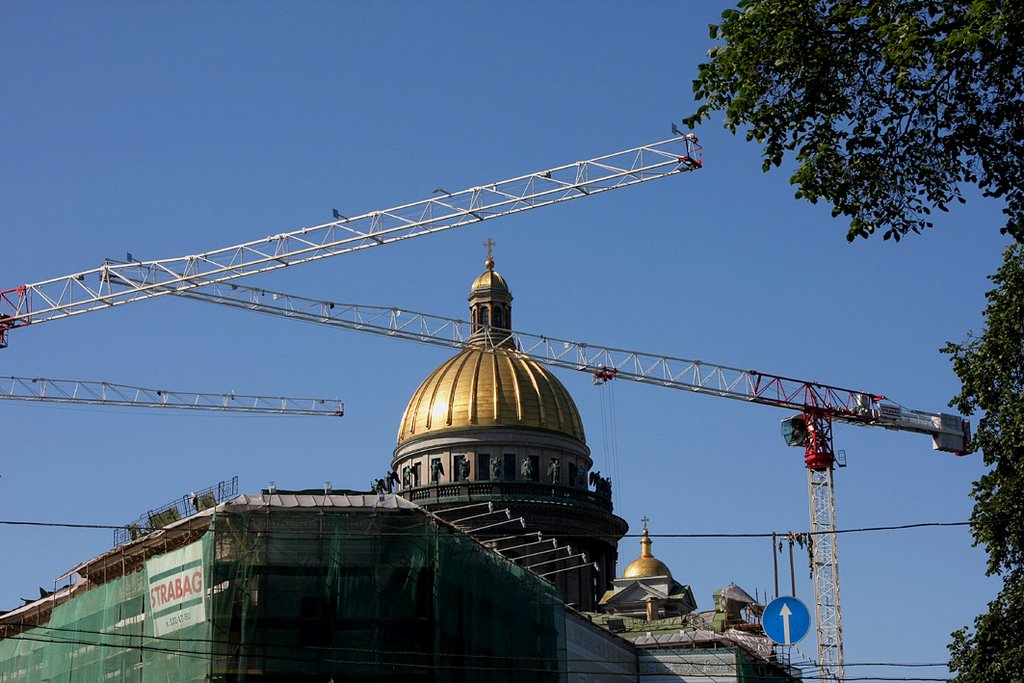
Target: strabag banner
{"type": "Point", "coordinates": [176, 597]}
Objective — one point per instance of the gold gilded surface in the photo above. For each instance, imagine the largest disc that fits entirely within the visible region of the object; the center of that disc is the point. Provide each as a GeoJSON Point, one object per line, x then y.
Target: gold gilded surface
{"type": "Point", "coordinates": [482, 387]}
{"type": "Point", "coordinates": [647, 564]}
{"type": "Point", "coordinates": [646, 567]}
{"type": "Point", "coordinates": [489, 280]}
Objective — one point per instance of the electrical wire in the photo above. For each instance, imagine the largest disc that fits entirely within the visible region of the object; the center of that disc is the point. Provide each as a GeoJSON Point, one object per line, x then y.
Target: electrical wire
{"type": "Point", "coordinates": [419, 533]}
{"type": "Point", "coordinates": [232, 643]}
{"type": "Point", "coordinates": [760, 534]}
{"type": "Point", "coordinates": [897, 527]}
{"type": "Point", "coordinates": [724, 667]}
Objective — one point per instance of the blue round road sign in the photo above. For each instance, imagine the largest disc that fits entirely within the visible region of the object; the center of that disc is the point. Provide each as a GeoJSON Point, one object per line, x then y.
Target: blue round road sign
{"type": "Point", "coordinates": [786, 620]}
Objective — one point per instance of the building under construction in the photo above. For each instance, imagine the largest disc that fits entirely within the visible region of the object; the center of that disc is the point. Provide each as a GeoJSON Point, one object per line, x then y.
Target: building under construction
{"type": "Point", "coordinates": [320, 586]}
{"type": "Point", "coordinates": [289, 587]}
{"type": "Point", "coordinates": [494, 561]}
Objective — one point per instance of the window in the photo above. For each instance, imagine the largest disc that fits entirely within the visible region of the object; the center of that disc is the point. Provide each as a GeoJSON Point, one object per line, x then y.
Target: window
{"type": "Point", "coordinates": [497, 316]}
{"type": "Point", "coordinates": [508, 472]}
{"type": "Point", "coordinates": [483, 317]}
{"type": "Point", "coordinates": [574, 475]}
{"type": "Point", "coordinates": [483, 467]}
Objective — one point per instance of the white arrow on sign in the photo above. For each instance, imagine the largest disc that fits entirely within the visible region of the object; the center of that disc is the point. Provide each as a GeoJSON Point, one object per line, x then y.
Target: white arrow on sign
{"type": "Point", "coordinates": [785, 613]}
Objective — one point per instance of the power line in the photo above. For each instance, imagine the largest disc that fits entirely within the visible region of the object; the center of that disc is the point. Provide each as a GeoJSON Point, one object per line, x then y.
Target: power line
{"type": "Point", "coordinates": [725, 667]}
{"type": "Point", "coordinates": [62, 525]}
{"type": "Point", "coordinates": [898, 527]}
{"type": "Point", "coordinates": [215, 641]}
{"type": "Point", "coordinates": [762, 534]}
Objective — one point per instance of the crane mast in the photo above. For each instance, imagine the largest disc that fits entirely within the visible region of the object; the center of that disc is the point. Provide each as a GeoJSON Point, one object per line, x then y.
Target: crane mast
{"type": "Point", "coordinates": [79, 392]}
{"type": "Point", "coordinates": [819, 457]}
{"type": "Point", "coordinates": [113, 284]}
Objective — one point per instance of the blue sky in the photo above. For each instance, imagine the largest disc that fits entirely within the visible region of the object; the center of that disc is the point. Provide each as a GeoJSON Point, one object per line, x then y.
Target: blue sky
{"type": "Point", "coordinates": [164, 129]}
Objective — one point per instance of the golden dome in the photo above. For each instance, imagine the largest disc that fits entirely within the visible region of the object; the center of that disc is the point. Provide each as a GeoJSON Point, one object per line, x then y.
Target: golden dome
{"type": "Point", "coordinates": [646, 565]}
{"type": "Point", "coordinates": [487, 387]}
{"type": "Point", "coordinates": [489, 279]}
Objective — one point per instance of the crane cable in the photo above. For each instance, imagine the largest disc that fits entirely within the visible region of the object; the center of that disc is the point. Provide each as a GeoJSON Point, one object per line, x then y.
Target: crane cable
{"type": "Point", "coordinates": [609, 436]}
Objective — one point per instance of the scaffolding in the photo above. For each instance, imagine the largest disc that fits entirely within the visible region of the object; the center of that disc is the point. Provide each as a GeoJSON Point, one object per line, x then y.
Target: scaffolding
{"type": "Point", "coordinates": [266, 589]}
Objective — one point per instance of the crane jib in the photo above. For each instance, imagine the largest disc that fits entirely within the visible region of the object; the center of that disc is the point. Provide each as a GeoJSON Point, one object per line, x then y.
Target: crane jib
{"type": "Point", "coordinates": [949, 433]}
{"type": "Point", "coordinates": [92, 289]}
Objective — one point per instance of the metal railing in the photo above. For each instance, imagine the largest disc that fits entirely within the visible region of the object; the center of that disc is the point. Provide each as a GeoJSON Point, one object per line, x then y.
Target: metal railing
{"type": "Point", "coordinates": [183, 507]}
{"type": "Point", "coordinates": [506, 490]}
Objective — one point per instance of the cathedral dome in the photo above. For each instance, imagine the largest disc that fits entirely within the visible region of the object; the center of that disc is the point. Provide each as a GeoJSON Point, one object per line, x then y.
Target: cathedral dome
{"type": "Point", "coordinates": [494, 426]}
{"type": "Point", "coordinates": [489, 383]}
{"type": "Point", "coordinates": [646, 565]}
{"type": "Point", "coordinates": [486, 387]}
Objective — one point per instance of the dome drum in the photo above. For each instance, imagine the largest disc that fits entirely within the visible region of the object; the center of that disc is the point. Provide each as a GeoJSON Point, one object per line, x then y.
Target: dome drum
{"type": "Point", "coordinates": [495, 455]}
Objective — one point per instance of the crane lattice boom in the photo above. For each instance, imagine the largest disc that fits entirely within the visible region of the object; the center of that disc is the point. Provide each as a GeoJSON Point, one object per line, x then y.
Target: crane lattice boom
{"type": "Point", "coordinates": [118, 283]}
{"type": "Point", "coordinates": [41, 389]}
{"type": "Point", "coordinates": [949, 432]}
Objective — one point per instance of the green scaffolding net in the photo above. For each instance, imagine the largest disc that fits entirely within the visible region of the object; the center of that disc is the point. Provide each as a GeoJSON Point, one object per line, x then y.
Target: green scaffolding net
{"type": "Point", "coordinates": [103, 634]}
{"type": "Point", "coordinates": [272, 595]}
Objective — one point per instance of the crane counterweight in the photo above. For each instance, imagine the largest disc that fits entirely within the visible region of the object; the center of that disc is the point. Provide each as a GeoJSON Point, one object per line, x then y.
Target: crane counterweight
{"type": "Point", "coordinates": [950, 433]}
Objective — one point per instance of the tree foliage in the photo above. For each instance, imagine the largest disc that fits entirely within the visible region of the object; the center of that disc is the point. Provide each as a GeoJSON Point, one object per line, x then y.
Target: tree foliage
{"type": "Point", "coordinates": [991, 368]}
{"type": "Point", "coordinates": [890, 107]}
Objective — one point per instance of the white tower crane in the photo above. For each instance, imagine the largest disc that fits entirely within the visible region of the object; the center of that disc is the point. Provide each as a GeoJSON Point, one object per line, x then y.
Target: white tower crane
{"type": "Point", "coordinates": [113, 284]}
{"type": "Point", "coordinates": [80, 392]}
{"type": "Point", "coordinates": [950, 434]}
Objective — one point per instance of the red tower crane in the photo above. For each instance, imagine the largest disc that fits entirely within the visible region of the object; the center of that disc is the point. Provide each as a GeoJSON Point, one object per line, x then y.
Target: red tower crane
{"type": "Point", "coordinates": [819, 405]}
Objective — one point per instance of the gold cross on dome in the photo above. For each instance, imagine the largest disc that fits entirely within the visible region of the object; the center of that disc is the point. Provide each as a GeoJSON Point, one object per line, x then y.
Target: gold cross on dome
{"type": "Point", "coordinates": [644, 520]}
{"type": "Point", "coordinates": [490, 244]}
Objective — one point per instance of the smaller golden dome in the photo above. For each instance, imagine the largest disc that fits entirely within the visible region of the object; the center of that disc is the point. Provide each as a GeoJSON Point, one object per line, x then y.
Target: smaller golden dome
{"type": "Point", "coordinates": [646, 565]}
{"type": "Point", "coordinates": [489, 280]}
